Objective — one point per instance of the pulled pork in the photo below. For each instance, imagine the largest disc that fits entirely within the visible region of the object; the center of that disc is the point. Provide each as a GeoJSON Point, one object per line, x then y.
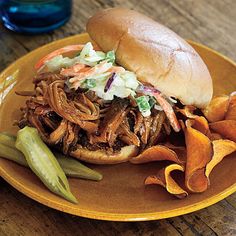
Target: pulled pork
{"type": "Point", "coordinates": [67, 119]}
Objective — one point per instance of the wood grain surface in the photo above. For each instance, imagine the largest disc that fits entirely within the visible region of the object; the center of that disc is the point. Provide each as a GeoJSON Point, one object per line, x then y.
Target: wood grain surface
{"type": "Point", "coordinates": [211, 22]}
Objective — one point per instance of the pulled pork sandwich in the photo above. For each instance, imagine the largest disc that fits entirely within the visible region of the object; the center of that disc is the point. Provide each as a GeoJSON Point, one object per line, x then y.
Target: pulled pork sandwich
{"type": "Point", "coordinates": [114, 99]}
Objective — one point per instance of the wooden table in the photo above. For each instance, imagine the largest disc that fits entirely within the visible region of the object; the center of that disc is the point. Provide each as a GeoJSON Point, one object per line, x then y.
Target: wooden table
{"type": "Point", "coordinates": [211, 22]}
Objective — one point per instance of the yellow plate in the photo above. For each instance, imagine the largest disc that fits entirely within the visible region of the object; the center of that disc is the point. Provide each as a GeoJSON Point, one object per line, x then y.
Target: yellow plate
{"type": "Point", "coordinates": [121, 195]}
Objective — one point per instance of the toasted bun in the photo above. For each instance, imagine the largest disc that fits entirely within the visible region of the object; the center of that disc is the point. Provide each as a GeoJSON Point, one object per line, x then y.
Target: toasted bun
{"type": "Point", "coordinates": [155, 53]}
{"type": "Point", "coordinates": [102, 157]}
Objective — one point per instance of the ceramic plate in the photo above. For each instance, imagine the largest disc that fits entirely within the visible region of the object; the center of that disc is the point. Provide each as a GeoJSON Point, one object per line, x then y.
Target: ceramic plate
{"type": "Point", "coordinates": [121, 195]}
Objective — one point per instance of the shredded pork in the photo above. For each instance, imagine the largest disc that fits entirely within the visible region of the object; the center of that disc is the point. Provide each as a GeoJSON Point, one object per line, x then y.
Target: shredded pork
{"type": "Point", "coordinates": [70, 119]}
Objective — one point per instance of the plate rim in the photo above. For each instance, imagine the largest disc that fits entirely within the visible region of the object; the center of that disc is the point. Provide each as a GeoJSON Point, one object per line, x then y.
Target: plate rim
{"type": "Point", "coordinates": [134, 217]}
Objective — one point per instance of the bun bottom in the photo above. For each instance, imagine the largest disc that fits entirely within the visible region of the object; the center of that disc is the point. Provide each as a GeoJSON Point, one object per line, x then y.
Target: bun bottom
{"type": "Point", "coordinates": [102, 157]}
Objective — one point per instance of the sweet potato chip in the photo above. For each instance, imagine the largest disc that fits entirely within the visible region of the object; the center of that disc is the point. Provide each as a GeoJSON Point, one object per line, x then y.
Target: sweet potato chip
{"type": "Point", "coordinates": [199, 153]}
{"type": "Point", "coordinates": [198, 122]}
{"type": "Point", "coordinates": [231, 113]}
{"type": "Point", "coordinates": [187, 111]}
{"type": "Point", "coordinates": [226, 128]}
{"type": "Point", "coordinates": [164, 179]}
{"type": "Point", "coordinates": [215, 136]}
{"type": "Point", "coordinates": [221, 148]}
{"type": "Point", "coordinates": [156, 153]}
{"type": "Point", "coordinates": [217, 108]}
{"type": "Point", "coordinates": [179, 150]}
{"type": "Point", "coordinates": [172, 146]}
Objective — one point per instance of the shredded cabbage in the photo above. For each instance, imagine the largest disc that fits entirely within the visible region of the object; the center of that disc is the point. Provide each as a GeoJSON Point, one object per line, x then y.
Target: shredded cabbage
{"type": "Point", "coordinates": [124, 84]}
{"type": "Point", "coordinates": [143, 105]}
{"type": "Point", "coordinates": [87, 56]}
{"type": "Point", "coordinates": [59, 62]}
{"type": "Point", "coordinates": [110, 56]}
{"type": "Point", "coordinates": [90, 83]}
{"type": "Point", "coordinates": [130, 80]}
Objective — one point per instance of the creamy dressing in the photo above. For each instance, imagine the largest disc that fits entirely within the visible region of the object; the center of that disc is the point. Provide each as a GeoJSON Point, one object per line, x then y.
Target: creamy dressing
{"type": "Point", "coordinates": [123, 85]}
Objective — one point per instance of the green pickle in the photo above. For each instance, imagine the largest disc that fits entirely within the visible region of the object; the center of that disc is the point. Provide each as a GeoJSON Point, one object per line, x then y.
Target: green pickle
{"type": "Point", "coordinates": [7, 139]}
{"type": "Point", "coordinates": [12, 154]}
{"type": "Point", "coordinates": [74, 168]}
{"type": "Point", "coordinates": [43, 163]}
{"type": "Point", "coordinates": [71, 167]}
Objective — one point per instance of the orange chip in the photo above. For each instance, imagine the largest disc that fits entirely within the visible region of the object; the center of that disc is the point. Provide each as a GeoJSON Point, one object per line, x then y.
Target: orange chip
{"type": "Point", "coordinates": [217, 108]}
{"type": "Point", "coordinates": [156, 153]}
{"type": "Point", "coordinates": [200, 123]}
{"type": "Point", "coordinates": [172, 146]}
{"type": "Point", "coordinates": [221, 148]}
{"type": "Point", "coordinates": [164, 179]}
{"type": "Point", "coordinates": [188, 111]}
{"type": "Point", "coordinates": [199, 152]}
{"type": "Point", "coordinates": [231, 113]}
{"type": "Point", "coordinates": [215, 136]}
{"type": "Point", "coordinates": [179, 150]}
{"type": "Point", "coordinates": [226, 128]}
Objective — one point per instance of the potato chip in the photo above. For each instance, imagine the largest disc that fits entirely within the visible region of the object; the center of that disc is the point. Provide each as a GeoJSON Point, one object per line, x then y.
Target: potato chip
{"type": "Point", "coordinates": [179, 150]}
{"type": "Point", "coordinates": [187, 111]}
{"type": "Point", "coordinates": [217, 108]}
{"type": "Point", "coordinates": [205, 147]}
{"type": "Point", "coordinates": [199, 153]}
{"type": "Point", "coordinates": [215, 136]}
{"type": "Point", "coordinates": [172, 146]}
{"type": "Point", "coordinates": [231, 113]}
{"type": "Point", "coordinates": [221, 148]}
{"type": "Point", "coordinates": [226, 128]}
{"type": "Point", "coordinates": [156, 153]}
{"type": "Point", "coordinates": [198, 122]}
{"type": "Point", "coordinates": [164, 179]}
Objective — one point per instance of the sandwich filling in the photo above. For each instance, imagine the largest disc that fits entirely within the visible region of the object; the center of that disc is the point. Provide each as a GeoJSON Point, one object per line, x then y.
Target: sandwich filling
{"type": "Point", "coordinates": [90, 102]}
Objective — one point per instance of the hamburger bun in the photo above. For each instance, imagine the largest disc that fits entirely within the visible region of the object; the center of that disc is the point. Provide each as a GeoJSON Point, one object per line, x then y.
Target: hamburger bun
{"type": "Point", "coordinates": [156, 54]}
{"type": "Point", "coordinates": [102, 157]}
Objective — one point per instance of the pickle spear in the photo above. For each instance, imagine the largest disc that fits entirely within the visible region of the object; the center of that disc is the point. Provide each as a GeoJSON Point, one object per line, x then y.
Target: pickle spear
{"type": "Point", "coordinates": [74, 168]}
{"type": "Point", "coordinates": [43, 163]}
{"type": "Point", "coordinates": [71, 167]}
{"type": "Point", "coordinates": [12, 154]}
{"type": "Point", "coordinates": [7, 139]}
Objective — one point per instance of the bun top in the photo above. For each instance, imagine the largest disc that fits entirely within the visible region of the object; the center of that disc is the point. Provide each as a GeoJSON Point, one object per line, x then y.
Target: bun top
{"type": "Point", "coordinates": [156, 54]}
